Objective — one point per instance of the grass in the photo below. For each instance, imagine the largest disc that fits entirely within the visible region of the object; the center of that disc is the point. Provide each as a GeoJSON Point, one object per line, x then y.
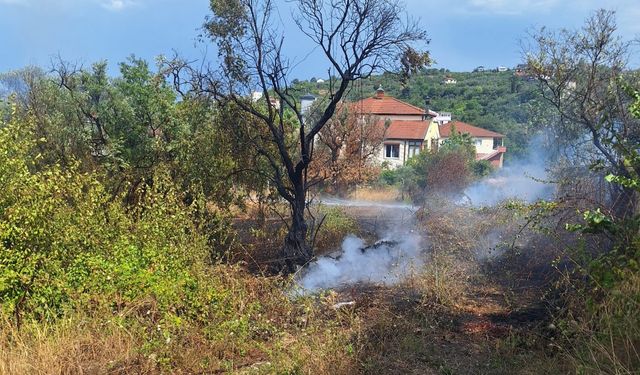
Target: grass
{"type": "Point", "coordinates": [379, 194]}
{"type": "Point", "coordinates": [258, 330]}
{"type": "Point", "coordinates": [461, 314]}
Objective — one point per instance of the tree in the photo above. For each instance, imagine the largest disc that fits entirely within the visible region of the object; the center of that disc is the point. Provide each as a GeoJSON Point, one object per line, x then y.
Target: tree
{"type": "Point", "coordinates": [346, 148]}
{"type": "Point", "coordinates": [581, 73]}
{"type": "Point", "coordinates": [357, 38]}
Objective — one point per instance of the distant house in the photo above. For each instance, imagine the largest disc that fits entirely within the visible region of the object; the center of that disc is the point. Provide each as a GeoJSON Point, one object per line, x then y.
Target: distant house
{"type": "Point", "coordinates": [411, 130]}
{"type": "Point", "coordinates": [320, 80]}
{"type": "Point", "coordinates": [306, 101]}
{"type": "Point", "coordinates": [479, 69]}
{"type": "Point", "coordinates": [448, 80]}
{"type": "Point", "coordinates": [502, 69]}
{"type": "Point", "coordinates": [521, 70]}
{"type": "Point", "coordinates": [489, 144]}
{"type": "Point", "coordinates": [256, 95]}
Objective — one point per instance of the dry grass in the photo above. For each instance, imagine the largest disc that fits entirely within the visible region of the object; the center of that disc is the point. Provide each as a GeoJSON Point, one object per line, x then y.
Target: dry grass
{"type": "Point", "coordinates": [260, 330]}
{"type": "Point", "coordinates": [604, 338]}
{"type": "Point", "coordinates": [380, 194]}
{"type": "Point", "coordinates": [70, 347]}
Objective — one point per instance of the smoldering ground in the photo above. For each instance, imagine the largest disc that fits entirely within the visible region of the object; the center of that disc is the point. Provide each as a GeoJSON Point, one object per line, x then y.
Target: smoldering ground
{"type": "Point", "coordinates": [397, 252]}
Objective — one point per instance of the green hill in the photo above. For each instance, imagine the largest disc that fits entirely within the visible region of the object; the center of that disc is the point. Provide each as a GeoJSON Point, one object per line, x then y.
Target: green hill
{"type": "Point", "coordinates": [497, 101]}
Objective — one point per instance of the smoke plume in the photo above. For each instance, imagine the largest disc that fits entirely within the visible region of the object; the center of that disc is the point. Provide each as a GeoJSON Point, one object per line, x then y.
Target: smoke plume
{"type": "Point", "coordinates": [386, 262]}
{"type": "Point", "coordinates": [525, 180]}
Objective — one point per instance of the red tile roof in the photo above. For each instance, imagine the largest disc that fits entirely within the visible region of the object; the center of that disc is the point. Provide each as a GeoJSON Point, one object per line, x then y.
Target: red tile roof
{"type": "Point", "coordinates": [415, 130]}
{"type": "Point", "coordinates": [386, 105]}
{"type": "Point", "coordinates": [461, 127]}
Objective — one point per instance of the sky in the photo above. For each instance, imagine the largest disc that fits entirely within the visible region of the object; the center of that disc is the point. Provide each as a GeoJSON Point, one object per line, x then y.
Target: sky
{"type": "Point", "coordinates": [464, 33]}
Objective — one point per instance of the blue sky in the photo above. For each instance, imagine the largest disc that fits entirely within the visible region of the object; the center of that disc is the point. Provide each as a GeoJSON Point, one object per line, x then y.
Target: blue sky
{"type": "Point", "coordinates": [464, 33]}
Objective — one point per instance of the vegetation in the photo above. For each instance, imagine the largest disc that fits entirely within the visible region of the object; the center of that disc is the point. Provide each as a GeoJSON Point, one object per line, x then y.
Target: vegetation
{"type": "Point", "coordinates": [498, 101]}
{"type": "Point", "coordinates": [446, 171]}
{"type": "Point", "coordinates": [142, 216]}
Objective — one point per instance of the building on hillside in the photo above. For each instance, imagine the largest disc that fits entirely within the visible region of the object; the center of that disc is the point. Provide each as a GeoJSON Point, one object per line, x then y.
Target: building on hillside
{"type": "Point", "coordinates": [521, 70]}
{"type": "Point", "coordinates": [479, 69]}
{"type": "Point", "coordinates": [306, 102]}
{"type": "Point", "coordinates": [389, 108]}
{"type": "Point", "coordinates": [448, 80]}
{"type": "Point", "coordinates": [502, 69]}
{"type": "Point", "coordinates": [489, 144]}
{"type": "Point", "coordinates": [409, 130]}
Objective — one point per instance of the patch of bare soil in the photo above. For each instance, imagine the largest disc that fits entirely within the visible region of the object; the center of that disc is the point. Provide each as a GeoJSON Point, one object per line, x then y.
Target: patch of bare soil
{"type": "Point", "coordinates": [489, 330]}
{"type": "Point", "coordinates": [492, 318]}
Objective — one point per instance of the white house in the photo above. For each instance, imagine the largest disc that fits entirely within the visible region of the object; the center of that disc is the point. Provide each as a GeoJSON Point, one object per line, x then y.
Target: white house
{"type": "Point", "coordinates": [449, 80]}
{"type": "Point", "coordinates": [489, 144]}
{"type": "Point", "coordinates": [410, 130]}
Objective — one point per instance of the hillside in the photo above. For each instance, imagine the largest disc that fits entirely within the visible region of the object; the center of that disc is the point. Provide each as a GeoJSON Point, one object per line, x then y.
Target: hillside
{"type": "Point", "coordinates": [497, 101]}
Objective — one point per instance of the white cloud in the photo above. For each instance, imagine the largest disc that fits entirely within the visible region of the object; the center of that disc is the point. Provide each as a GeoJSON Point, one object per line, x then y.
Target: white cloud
{"type": "Point", "coordinates": [117, 5]}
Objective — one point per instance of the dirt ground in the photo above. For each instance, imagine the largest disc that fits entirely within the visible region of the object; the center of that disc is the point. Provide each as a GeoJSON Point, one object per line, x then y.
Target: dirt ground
{"type": "Point", "coordinates": [492, 319]}
{"type": "Point", "coordinates": [490, 316]}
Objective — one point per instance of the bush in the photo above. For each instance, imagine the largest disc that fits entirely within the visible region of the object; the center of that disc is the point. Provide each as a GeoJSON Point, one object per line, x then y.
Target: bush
{"type": "Point", "coordinates": [89, 284]}
{"type": "Point", "coordinates": [66, 244]}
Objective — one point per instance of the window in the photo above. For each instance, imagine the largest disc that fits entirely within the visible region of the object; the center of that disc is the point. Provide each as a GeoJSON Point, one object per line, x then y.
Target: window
{"type": "Point", "coordinates": [414, 148]}
{"type": "Point", "coordinates": [392, 151]}
{"type": "Point", "coordinates": [478, 142]}
{"type": "Point", "coordinates": [497, 142]}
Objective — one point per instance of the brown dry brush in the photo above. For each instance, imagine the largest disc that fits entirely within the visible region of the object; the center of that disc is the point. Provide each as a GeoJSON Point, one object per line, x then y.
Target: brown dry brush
{"type": "Point", "coordinates": [270, 334]}
{"type": "Point", "coordinates": [346, 149]}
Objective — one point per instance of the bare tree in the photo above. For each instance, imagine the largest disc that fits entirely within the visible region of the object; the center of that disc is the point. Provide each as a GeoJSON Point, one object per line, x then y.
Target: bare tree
{"type": "Point", "coordinates": [346, 149]}
{"type": "Point", "coordinates": [356, 37]}
{"type": "Point", "coordinates": [582, 74]}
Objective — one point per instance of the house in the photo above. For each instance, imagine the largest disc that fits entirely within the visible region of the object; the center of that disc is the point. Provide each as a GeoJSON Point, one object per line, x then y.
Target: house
{"type": "Point", "coordinates": [389, 108]}
{"type": "Point", "coordinates": [409, 130]}
{"type": "Point", "coordinates": [306, 102]}
{"type": "Point", "coordinates": [489, 144]}
{"type": "Point", "coordinates": [521, 70]}
{"type": "Point", "coordinates": [502, 69]}
{"type": "Point", "coordinates": [448, 80]}
{"type": "Point", "coordinates": [479, 69]}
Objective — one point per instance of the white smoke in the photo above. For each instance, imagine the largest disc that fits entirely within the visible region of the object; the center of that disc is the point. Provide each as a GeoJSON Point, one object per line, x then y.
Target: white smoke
{"type": "Point", "coordinates": [389, 261]}
{"type": "Point", "coordinates": [525, 180]}
{"type": "Point", "coordinates": [331, 201]}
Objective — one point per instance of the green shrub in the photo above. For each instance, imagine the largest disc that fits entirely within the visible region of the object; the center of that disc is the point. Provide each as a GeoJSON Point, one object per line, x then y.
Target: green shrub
{"type": "Point", "coordinates": [66, 244]}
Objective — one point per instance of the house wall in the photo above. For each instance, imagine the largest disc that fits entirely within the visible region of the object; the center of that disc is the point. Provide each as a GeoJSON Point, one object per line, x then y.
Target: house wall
{"type": "Point", "coordinates": [394, 163]}
{"type": "Point", "coordinates": [432, 133]}
{"type": "Point", "coordinates": [497, 161]}
{"type": "Point", "coordinates": [485, 146]}
{"type": "Point", "coordinates": [402, 117]}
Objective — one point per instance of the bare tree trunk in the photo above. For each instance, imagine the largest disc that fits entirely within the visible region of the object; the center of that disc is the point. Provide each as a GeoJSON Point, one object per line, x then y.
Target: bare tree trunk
{"type": "Point", "coordinates": [296, 250]}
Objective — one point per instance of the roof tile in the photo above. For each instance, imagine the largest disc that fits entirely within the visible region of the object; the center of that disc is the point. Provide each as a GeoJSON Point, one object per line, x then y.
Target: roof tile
{"type": "Point", "coordinates": [414, 130]}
